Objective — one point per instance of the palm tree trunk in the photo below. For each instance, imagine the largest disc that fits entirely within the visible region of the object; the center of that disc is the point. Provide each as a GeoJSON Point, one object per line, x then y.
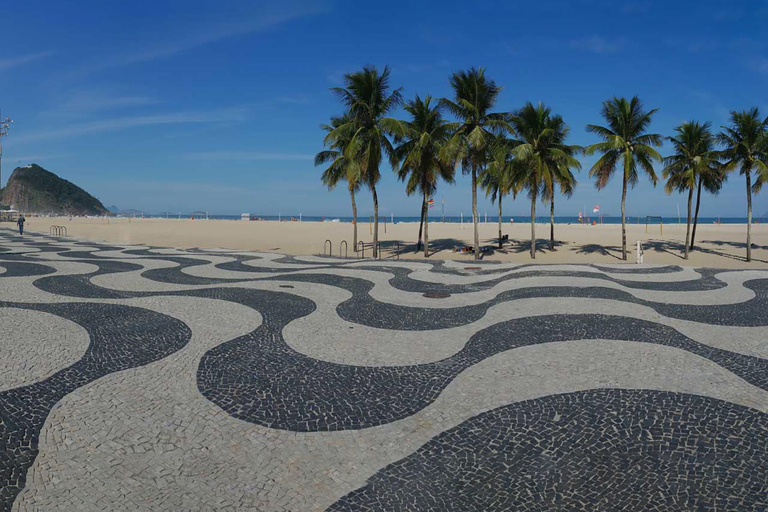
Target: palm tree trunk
{"type": "Point", "coordinates": [688, 229]}
{"type": "Point", "coordinates": [552, 221]}
{"type": "Point", "coordinates": [375, 222]}
{"type": "Point", "coordinates": [696, 217]}
{"type": "Point", "coordinates": [421, 221]}
{"type": "Point", "coordinates": [749, 217]}
{"type": "Point", "coordinates": [354, 219]}
{"type": "Point", "coordinates": [474, 212]}
{"type": "Point", "coordinates": [426, 231]}
{"type": "Point", "coordinates": [533, 227]}
{"type": "Point", "coordinates": [501, 243]}
{"type": "Point", "coordinates": [624, 220]}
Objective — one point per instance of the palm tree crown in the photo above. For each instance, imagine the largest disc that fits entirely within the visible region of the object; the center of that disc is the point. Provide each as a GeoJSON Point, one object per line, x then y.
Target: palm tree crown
{"type": "Point", "coordinates": [745, 144]}
{"type": "Point", "coordinates": [624, 139]}
{"type": "Point", "coordinates": [425, 136]}
{"type": "Point", "coordinates": [694, 156]}
{"type": "Point", "coordinates": [340, 168]}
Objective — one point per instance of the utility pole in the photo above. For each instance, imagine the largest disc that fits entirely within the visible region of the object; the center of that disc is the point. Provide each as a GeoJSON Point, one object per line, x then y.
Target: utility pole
{"type": "Point", "coordinates": [5, 125]}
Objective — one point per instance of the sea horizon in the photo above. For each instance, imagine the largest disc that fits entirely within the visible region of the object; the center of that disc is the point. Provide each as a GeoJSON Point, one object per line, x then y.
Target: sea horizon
{"type": "Point", "coordinates": [449, 219]}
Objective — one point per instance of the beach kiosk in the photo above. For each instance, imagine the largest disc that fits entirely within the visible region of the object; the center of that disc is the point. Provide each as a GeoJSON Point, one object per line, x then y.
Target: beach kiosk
{"type": "Point", "coordinates": [9, 215]}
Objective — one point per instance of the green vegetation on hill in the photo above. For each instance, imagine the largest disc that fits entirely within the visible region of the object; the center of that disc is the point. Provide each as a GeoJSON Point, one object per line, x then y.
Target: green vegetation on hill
{"type": "Point", "coordinates": [34, 189]}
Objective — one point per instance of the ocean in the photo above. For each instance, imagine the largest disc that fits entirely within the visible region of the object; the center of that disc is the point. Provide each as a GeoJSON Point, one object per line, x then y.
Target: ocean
{"type": "Point", "coordinates": [468, 219]}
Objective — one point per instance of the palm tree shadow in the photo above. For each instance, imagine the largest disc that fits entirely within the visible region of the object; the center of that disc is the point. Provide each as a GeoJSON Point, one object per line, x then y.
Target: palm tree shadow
{"type": "Point", "coordinates": [674, 248]}
{"type": "Point", "coordinates": [600, 249]}
{"type": "Point", "coordinates": [739, 245]}
{"type": "Point", "coordinates": [542, 245]}
{"type": "Point", "coordinates": [449, 244]}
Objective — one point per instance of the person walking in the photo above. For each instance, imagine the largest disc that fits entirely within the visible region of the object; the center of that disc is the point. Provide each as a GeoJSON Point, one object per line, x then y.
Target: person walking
{"type": "Point", "coordinates": [21, 220]}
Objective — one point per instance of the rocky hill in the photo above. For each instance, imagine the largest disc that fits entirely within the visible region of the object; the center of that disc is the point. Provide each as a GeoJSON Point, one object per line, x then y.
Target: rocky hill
{"type": "Point", "coordinates": [32, 189]}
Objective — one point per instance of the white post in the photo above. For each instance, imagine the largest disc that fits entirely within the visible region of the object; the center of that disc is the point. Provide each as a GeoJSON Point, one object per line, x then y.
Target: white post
{"type": "Point", "coordinates": [639, 252]}
{"type": "Point", "coordinates": [299, 217]}
{"type": "Point", "coordinates": [393, 218]}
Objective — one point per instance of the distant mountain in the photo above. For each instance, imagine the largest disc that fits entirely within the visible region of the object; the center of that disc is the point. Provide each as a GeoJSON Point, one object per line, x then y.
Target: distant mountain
{"type": "Point", "coordinates": [113, 209]}
{"type": "Point", "coordinates": [33, 189]}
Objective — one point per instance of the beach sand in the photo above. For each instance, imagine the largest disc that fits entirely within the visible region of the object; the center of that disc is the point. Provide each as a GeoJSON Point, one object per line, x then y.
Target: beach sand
{"type": "Point", "coordinates": [718, 245]}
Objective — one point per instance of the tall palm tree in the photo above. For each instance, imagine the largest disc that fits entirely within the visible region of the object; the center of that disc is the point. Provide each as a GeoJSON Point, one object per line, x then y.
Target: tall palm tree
{"type": "Point", "coordinates": [745, 146]}
{"type": "Point", "coordinates": [473, 136]}
{"type": "Point", "coordinates": [368, 100]}
{"type": "Point", "coordinates": [625, 142]}
{"type": "Point", "coordinates": [425, 135]}
{"type": "Point", "coordinates": [712, 181]}
{"type": "Point", "coordinates": [694, 156]}
{"type": "Point", "coordinates": [543, 158]}
{"type": "Point", "coordinates": [340, 168]}
{"type": "Point", "coordinates": [498, 179]}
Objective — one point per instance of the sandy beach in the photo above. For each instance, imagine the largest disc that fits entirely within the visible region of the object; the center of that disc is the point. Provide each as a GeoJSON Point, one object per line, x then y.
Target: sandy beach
{"type": "Point", "coordinates": [717, 245]}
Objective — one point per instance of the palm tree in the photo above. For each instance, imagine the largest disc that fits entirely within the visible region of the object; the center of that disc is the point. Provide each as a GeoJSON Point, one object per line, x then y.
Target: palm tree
{"type": "Point", "coordinates": [340, 168]}
{"type": "Point", "coordinates": [498, 178]}
{"type": "Point", "coordinates": [425, 135]}
{"type": "Point", "coordinates": [367, 98]}
{"type": "Point", "coordinates": [694, 156]}
{"type": "Point", "coordinates": [745, 145]}
{"type": "Point", "coordinates": [625, 141]}
{"type": "Point", "coordinates": [474, 97]}
{"type": "Point", "coordinates": [712, 181]}
{"type": "Point", "coordinates": [544, 160]}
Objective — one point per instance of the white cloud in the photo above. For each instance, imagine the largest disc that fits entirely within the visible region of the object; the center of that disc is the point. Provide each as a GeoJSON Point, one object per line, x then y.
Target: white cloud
{"type": "Point", "coordinates": [246, 156]}
{"type": "Point", "coordinates": [596, 44]}
{"type": "Point", "coordinates": [24, 59]}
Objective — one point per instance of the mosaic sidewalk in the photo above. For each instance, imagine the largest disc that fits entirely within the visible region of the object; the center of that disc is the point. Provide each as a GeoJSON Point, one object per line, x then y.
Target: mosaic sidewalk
{"type": "Point", "coordinates": [141, 378]}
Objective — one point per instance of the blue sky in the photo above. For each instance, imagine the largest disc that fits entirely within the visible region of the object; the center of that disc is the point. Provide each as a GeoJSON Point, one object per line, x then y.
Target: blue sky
{"type": "Point", "coordinates": [193, 105]}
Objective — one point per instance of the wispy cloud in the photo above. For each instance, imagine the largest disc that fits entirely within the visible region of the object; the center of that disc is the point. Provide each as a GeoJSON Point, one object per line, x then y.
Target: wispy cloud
{"type": "Point", "coordinates": [35, 158]}
{"type": "Point", "coordinates": [88, 103]}
{"type": "Point", "coordinates": [24, 59]}
{"type": "Point", "coordinates": [209, 33]}
{"type": "Point", "coordinates": [596, 44]}
{"type": "Point", "coordinates": [246, 156]}
{"type": "Point", "coordinates": [121, 123]}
